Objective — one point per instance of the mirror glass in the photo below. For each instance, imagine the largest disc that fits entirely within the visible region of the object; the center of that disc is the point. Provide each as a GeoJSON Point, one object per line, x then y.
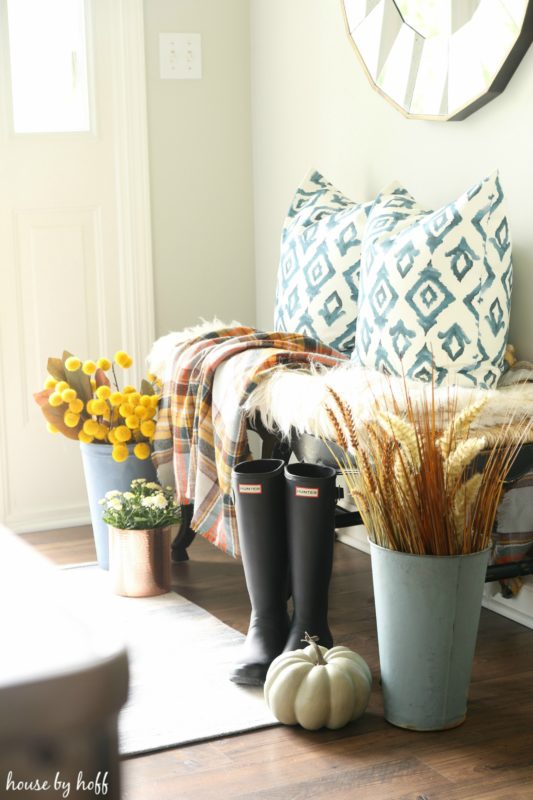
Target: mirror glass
{"type": "Point", "coordinates": [439, 59]}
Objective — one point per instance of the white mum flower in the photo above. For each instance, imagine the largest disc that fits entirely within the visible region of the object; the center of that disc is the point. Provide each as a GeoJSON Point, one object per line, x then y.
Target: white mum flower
{"type": "Point", "coordinates": [160, 501]}
{"type": "Point", "coordinates": [112, 494]}
{"type": "Point", "coordinates": [153, 485]}
{"type": "Point", "coordinates": [115, 504]}
{"type": "Point", "coordinates": [128, 495]}
{"type": "Point", "coordinates": [147, 502]}
{"type": "Point", "coordinates": [137, 481]}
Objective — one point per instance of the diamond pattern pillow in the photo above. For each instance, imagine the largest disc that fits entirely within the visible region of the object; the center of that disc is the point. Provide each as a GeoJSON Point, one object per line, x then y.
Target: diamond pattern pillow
{"type": "Point", "coordinates": [318, 275]}
{"type": "Point", "coordinates": [436, 287]}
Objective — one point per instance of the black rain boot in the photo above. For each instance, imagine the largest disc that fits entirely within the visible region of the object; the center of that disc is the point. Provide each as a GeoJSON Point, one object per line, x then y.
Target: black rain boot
{"type": "Point", "coordinates": [259, 495]}
{"type": "Point", "coordinates": [311, 496]}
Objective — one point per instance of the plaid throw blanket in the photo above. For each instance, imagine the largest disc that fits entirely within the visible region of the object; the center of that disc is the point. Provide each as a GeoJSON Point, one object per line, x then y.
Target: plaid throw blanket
{"type": "Point", "coordinates": [201, 427]}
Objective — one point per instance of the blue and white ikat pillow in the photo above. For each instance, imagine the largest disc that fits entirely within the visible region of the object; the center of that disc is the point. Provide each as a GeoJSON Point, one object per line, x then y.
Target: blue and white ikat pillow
{"type": "Point", "coordinates": [436, 286]}
{"type": "Point", "coordinates": [318, 276]}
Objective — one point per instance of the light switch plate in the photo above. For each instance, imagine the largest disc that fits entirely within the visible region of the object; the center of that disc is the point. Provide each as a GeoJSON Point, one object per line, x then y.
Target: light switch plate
{"type": "Point", "coordinates": [180, 56]}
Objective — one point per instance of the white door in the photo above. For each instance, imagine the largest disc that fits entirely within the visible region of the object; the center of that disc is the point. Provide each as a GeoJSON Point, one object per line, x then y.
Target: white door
{"type": "Point", "coordinates": [75, 251]}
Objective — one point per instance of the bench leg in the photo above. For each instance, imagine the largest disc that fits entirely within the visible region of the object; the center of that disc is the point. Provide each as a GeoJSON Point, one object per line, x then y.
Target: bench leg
{"type": "Point", "coordinates": [184, 536]}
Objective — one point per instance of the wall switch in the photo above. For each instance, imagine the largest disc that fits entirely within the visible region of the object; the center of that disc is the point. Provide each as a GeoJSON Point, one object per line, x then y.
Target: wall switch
{"type": "Point", "coordinates": [180, 56]}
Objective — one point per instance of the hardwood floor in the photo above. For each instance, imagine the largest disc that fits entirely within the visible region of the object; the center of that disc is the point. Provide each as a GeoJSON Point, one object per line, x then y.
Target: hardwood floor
{"type": "Point", "coordinates": [490, 757]}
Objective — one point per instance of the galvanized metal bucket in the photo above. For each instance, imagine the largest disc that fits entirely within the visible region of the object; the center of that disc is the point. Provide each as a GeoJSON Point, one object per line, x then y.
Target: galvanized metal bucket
{"type": "Point", "coordinates": [427, 614]}
{"type": "Point", "coordinates": [102, 474]}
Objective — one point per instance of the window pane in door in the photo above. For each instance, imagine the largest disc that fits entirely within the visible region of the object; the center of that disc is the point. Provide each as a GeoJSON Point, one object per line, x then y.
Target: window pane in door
{"type": "Point", "coordinates": [48, 56]}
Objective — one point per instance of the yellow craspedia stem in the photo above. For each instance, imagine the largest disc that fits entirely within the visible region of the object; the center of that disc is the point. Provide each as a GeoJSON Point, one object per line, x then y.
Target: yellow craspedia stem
{"type": "Point", "coordinates": [50, 382]}
{"type": "Point", "coordinates": [132, 421]}
{"type": "Point", "coordinates": [68, 395]}
{"type": "Point", "coordinates": [90, 427]}
{"type": "Point", "coordinates": [76, 406]}
{"type": "Point", "coordinates": [141, 412]}
{"type": "Point", "coordinates": [119, 452]}
{"type": "Point", "coordinates": [70, 419]}
{"type": "Point", "coordinates": [142, 450]}
{"type": "Point", "coordinates": [116, 399]}
{"type": "Point", "coordinates": [51, 428]}
{"type": "Point", "coordinates": [98, 406]}
{"type": "Point", "coordinates": [89, 367]}
{"type": "Point", "coordinates": [148, 428]}
{"type": "Point", "coordinates": [72, 363]}
{"type": "Point", "coordinates": [83, 437]}
{"type": "Point", "coordinates": [122, 433]}
{"type": "Point", "coordinates": [126, 410]}
{"type": "Point", "coordinates": [55, 399]}
{"type": "Point", "coordinates": [103, 363]}
{"type": "Point", "coordinates": [103, 392]}
{"type": "Point", "coordinates": [123, 359]}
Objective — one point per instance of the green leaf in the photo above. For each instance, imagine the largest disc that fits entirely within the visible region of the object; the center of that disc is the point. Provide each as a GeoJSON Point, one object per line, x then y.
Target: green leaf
{"type": "Point", "coordinates": [54, 414]}
{"type": "Point", "coordinates": [56, 369]}
{"type": "Point", "coordinates": [101, 378]}
{"type": "Point", "coordinates": [146, 387]}
{"type": "Point", "coordinates": [78, 381]}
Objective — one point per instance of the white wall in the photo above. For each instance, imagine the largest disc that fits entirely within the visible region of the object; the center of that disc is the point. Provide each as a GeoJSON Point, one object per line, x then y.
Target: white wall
{"type": "Point", "coordinates": [200, 167]}
{"type": "Point", "coordinates": [313, 107]}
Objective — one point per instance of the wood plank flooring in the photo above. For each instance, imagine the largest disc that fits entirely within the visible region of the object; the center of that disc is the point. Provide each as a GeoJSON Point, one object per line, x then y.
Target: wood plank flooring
{"type": "Point", "coordinates": [490, 757]}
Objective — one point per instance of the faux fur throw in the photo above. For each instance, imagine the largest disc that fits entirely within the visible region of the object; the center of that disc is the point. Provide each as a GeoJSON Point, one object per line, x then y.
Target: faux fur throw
{"type": "Point", "coordinates": [293, 400]}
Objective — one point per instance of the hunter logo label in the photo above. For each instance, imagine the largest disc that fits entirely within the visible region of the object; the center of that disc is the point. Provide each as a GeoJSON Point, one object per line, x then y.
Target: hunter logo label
{"type": "Point", "coordinates": [250, 488]}
{"type": "Point", "coordinates": [305, 491]}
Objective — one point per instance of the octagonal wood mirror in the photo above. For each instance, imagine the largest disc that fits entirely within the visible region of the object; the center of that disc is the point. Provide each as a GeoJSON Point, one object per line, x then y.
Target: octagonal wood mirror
{"type": "Point", "coordinates": [439, 59]}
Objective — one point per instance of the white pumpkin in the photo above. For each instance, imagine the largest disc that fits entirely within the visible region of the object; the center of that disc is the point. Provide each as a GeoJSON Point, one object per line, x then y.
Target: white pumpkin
{"type": "Point", "coordinates": [317, 687]}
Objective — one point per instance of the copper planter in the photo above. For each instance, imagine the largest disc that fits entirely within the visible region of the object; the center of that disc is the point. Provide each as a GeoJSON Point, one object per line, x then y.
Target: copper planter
{"type": "Point", "coordinates": [139, 561]}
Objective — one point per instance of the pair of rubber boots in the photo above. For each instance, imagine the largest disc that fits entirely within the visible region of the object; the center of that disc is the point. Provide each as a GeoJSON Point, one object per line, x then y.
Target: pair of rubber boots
{"type": "Point", "coordinates": [285, 519]}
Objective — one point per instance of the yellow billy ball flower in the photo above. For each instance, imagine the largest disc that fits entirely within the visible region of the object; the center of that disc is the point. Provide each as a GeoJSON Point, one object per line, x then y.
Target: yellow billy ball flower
{"type": "Point", "coordinates": [98, 407]}
{"type": "Point", "coordinates": [154, 400]}
{"type": "Point", "coordinates": [90, 406]}
{"type": "Point", "coordinates": [151, 377]}
{"type": "Point", "coordinates": [132, 421]}
{"type": "Point", "coordinates": [148, 428]}
{"type": "Point", "coordinates": [128, 389]}
{"type": "Point", "coordinates": [83, 437]}
{"type": "Point", "coordinates": [119, 452]}
{"type": "Point", "coordinates": [142, 450]}
{"type": "Point", "coordinates": [122, 433]}
{"type": "Point", "coordinates": [61, 385]}
{"type": "Point", "coordinates": [68, 395]}
{"type": "Point", "coordinates": [76, 406]}
{"type": "Point", "coordinates": [103, 363]}
{"type": "Point", "coordinates": [103, 392]}
{"type": "Point", "coordinates": [141, 412]}
{"type": "Point", "coordinates": [50, 382]}
{"type": "Point", "coordinates": [55, 399]}
{"type": "Point", "coordinates": [101, 433]}
{"type": "Point", "coordinates": [116, 398]}
{"type": "Point", "coordinates": [93, 384]}
{"type": "Point", "coordinates": [126, 410]}
{"type": "Point", "coordinates": [90, 427]}
{"type": "Point", "coordinates": [146, 400]}
{"type": "Point", "coordinates": [123, 359]}
{"type": "Point", "coordinates": [89, 367]}
{"type": "Point", "coordinates": [72, 364]}
{"type": "Point", "coordinates": [70, 419]}
{"type": "Point", "coordinates": [51, 428]}
{"type": "Point", "coordinates": [111, 436]}
{"type": "Point", "coordinates": [134, 398]}
{"type": "Point", "coordinates": [150, 413]}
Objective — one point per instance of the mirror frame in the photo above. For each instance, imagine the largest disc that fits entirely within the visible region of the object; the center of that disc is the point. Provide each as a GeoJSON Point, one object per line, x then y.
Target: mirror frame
{"type": "Point", "coordinates": [496, 87]}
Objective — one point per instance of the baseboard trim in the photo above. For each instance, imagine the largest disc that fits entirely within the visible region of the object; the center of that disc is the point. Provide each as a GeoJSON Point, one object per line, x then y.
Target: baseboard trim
{"type": "Point", "coordinates": [70, 518]}
{"type": "Point", "coordinates": [519, 608]}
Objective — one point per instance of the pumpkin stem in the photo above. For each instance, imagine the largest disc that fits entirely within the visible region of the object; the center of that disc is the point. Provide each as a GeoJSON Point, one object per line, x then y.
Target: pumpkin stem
{"type": "Point", "coordinates": [318, 652]}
